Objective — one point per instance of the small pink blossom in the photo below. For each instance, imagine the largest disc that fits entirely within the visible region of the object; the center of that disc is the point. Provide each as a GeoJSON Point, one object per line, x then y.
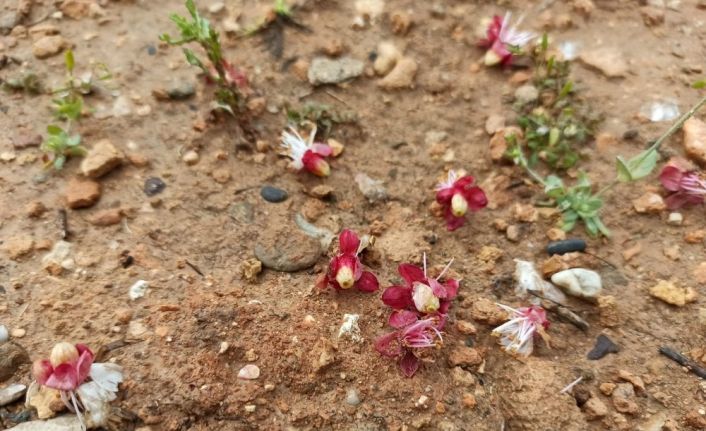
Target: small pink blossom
{"type": "Point", "coordinates": [345, 270]}
{"type": "Point", "coordinates": [410, 342]}
{"type": "Point", "coordinates": [456, 196]}
{"type": "Point", "coordinates": [421, 294]}
{"type": "Point", "coordinates": [503, 40]}
{"type": "Point", "coordinates": [306, 154]}
{"type": "Point", "coordinates": [517, 335]}
{"type": "Point", "coordinates": [687, 187]}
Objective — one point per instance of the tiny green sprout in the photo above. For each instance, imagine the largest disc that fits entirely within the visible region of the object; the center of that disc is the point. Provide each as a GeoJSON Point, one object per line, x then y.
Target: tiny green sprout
{"type": "Point", "coordinates": [68, 104]}
{"type": "Point", "coordinates": [699, 84]}
{"type": "Point", "coordinates": [226, 77]}
{"type": "Point", "coordinates": [58, 146]}
{"type": "Point", "coordinates": [281, 8]}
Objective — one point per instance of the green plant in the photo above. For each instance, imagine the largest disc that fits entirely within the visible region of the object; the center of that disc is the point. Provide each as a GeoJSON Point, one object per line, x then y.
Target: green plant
{"type": "Point", "coordinates": [68, 101]}
{"type": "Point", "coordinates": [227, 78]}
{"type": "Point", "coordinates": [58, 146]}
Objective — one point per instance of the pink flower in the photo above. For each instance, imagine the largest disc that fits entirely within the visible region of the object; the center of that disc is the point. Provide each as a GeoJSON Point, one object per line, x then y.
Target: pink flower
{"type": "Point", "coordinates": [421, 294]}
{"type": "Point", "coordinates": [503, 40]}
{"type": "Point", "coordinates": [345, 270]}
{"type": "Point", "coordinates": [306, 154]}
{"type": "Point", "coordinates": [84, 386]}
{"type": "Point", "coordinates": [687, 187]}
{"type": "Point", "coordinates": [458, 195]}
{"type": "Point", "coordinates": [517, 335]}
{"type": "Point", "coordinates": [408, 343]}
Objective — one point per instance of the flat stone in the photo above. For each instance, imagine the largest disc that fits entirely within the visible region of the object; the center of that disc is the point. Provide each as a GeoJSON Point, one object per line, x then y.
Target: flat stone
{"type": "Point", "coordinates": [649, 203]}
{"type": "Point", "coordinates": [18, 246]}
{"type": "Point", "coordinates": [604, 346]}
{"type": "Point", "coordinates": [63, 423]}
{"type": "Point", "coordinates": [465, 357]}
{"type": "Point", "coordinates": [594, 409]}
{"type": "Point", "coordinates": [101, 159]}
{"type": "Point", "coordinates": [327, 71]}
{"type": "Point", "coordinates": [82, 193]}
{"type": "Point", "coordinates": [607, 60]}
{"type": "Point", "coordinates": [11, 394]}
{"type": "Point", "coordinates": [401, 76]}
{"type": "Point", "coordinates": [11, 357]}
{"type": "Point", "coordinates": [287, 249]}
{"type": "Point", "coordinates": [242, 212]}
{"type": "Point", "coordinates": [273, 194]}
{"type": "Point", "coordinates": [672, 294]}
{"type": "Point", "coordinates": [48, 46]}
{"type": "Point", "coordinates": [107, 217]}
{"type": "Point", "coordinates": [695, 139]}
{"type": "Point", "coordinates": [372, 189]}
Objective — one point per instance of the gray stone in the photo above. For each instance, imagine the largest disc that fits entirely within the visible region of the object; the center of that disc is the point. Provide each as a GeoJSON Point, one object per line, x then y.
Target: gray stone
{"type": "Point", "coordinates": [371, 188]}
{"type": "Point", "coordinates": [242, 212]}
{"type": "Point", "coordinates": [62, 423]}
{"type": "Point", "coordinates": [11, 357]}
{"type": "Point", "coordinates": [326, 71]}
{"type": "Point", "coordinates": [11, 394]}
{"type": "Point", "coordinates": [8, 21]}
{"type": "Point", "coordinates": [181, 90]}
{"type": "Point", "coordinates": [579, 282]}
{"type": "Point", "coordinates": [287, 249]}
{"type": "Point", "coordinates": [273, 194]}
{"type": "Point", "coordinates": [527, 93]}
{"type": "Point", "coordinates": [352, 397]}
{"type": "Point", "coordinates": [4, 334]}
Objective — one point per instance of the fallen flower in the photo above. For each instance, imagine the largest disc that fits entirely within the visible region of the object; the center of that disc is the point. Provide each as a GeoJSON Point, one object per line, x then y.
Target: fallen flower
{"type": "Point", "coordinates": [687, 187]}
{"type": "Point", "coordinates": [306, 154]}
{"type": "Point", "coordinates": [503, 40]}
{"type": "Point", "coordinates": [410, 340]}
{"type": "Point", "coordinates": [421, 294]}
{"type": "Point", "coordinates": [345, 270]}
{"type": "Point", "coordinates": [456, 195]}
{"type": "Point", "coordinates": [84, 386]}
{"type": "Point", "coordinates": [517, 335]}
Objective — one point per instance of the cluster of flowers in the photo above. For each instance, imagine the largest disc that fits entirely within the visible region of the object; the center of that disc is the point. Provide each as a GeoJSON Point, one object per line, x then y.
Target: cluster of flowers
{"type": "Point", "coordinates": [686, 187]}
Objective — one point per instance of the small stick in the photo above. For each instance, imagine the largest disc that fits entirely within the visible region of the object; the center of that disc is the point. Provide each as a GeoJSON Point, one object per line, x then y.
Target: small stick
{"type": "Point", "coordinates": [63, 224]}
{"type": "Point", "coordinates": [571, 385]}
{"type": "Point", "coordinates": [332, 95]}
{"type": "Point", "coordinates": [683, 361]}
{"type": "Point", "coordinates": [195, 268]}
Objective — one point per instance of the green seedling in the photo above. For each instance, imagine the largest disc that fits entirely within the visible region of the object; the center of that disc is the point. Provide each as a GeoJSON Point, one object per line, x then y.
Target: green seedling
{"type": "Point", "coordinates": [68, 102]}
{"type": "Point", "coordinates": [58, 146]}
{"type": "Point", "coordinates": [228, 79]}
{"type": "Point", "coordinates": [324, 116]}
{"type": "Point", "coordinates": [699, 84]}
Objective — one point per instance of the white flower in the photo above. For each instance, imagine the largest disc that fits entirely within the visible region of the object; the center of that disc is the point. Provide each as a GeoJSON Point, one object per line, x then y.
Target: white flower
{"type": "Point", "coordinates": [96, 395]}
{"type": "Point", "coordinates": [517, 335]}
{"type": "Point", "coordinates": [296, 146]}
{"type": "Point", "coordinates": [510, 35]}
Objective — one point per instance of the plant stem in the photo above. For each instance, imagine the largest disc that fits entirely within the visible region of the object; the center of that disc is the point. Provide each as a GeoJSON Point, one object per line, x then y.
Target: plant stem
{"type": "Point", "coordinates": [522, 161]}
{"type": "Point", "coordinates": [607, 187]}
{"type": "Point", "coordinates": [676, 126]}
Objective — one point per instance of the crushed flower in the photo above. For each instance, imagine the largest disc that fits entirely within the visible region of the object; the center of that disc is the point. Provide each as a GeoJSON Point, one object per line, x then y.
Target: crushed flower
{"type": "Point", "coordinates": [687, 187]}
{"type": "Point", "coordinates": [456, 196]}
{"type": "Point", "coordinates": [517, 335]}
{"type": "Point", "coordinates": [345, 270]}
{"type": "Point", "coordinates": [410, 341]}
{"type": "Point", "coordinates": [503, 40]}
{"type": "Point", "coordinates": [306, 154]}
{"type": "Point", "coordinates": [85, 386]}
{"type": "Point", "coordinates": [421, 294]}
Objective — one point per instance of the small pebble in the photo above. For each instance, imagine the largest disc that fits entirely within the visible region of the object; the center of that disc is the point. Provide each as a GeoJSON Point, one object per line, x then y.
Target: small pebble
{"type": "Point", "coordinates": [11, 394]}
{"type": "Point", "coordinates": [191, 157]}
{"type": "Point", "coordinates": [352, 397]}
{"type": "Point", "coordinates": [224, 347]}
{"type": "Point", "coordinates": [4, 334]}
{"type": "Point", "coordinates": [249, 372]}
{"type": "Point", "coordinates": [138, 289]}
{"type": "Point", "coordinates": [151, 49]}
{"type": "Point", "coordinates": [273, 194]}
{"type": "Point", "coordinates": [154, 186]}
{"type": "Point", "coordinates": [604, 345]}
{"type": "Point", "coordinates": [250, 408]}
{"type": "Point", "coordinates": [18, 333]}
{"type": "Point", "coordinates": [675, 219]}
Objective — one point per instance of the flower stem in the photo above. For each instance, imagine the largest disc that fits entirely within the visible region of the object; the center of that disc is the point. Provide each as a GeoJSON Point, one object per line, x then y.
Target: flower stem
{"type": "Point", "coordinates": [522, 161]}
{"type": "Point", "coordinates": [678, 124]}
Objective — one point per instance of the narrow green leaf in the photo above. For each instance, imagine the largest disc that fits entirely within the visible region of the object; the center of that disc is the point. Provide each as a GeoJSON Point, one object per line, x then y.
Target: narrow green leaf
{"type": "Point", "coordinates": [54, 130]}
{"type": "Point", "coordinates": [699, 84]}
{"type": "Point", "coordinates": [69, 61]}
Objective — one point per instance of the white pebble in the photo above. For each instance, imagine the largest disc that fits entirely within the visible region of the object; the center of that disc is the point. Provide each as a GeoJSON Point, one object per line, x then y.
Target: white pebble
{"type": "Point", "coordinates": [352, 397]}
{"type": "Point", "coordinates": [675, 219]}
{"type": "Point", "coordinates": [18, 333]}
{"type": "Point", "coordinates": [250, 408]}
{"type": "Point", "coordinates": [224, 347]}
{"type": "Point", "coordinates": [249, 372]}
{"type": "Point", "coordinates": [4, 335]}
{"type": "Point", "coordinates": [138, 289]}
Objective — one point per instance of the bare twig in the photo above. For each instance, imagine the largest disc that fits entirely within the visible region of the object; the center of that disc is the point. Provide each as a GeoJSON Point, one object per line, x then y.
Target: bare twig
{"type": "Point", "coordinates": [683, 361]}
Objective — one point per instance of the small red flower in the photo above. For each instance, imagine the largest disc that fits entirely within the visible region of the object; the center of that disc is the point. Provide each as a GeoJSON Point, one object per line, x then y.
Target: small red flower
{"type": "Point", "coordinates": [66, 369]}
{"type": "Point", "coordinates": [503, 40]}
{"type": "Point", "coordinates": [458, 195]}
{"type": "Point", "coordinates": [410, 339]}
{"type": "Point", "coordinates": [422, 295]}
{"type": "Point", "coordinates": [306, 154]}
{"type": "Point", "coordinates": [687, 187]}
{"type": "Point", "coordinates": [345, 270]}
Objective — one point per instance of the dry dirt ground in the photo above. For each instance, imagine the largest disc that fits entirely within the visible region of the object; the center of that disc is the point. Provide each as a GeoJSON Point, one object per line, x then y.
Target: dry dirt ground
{"type": "Point", "coordinates": [211, 215]}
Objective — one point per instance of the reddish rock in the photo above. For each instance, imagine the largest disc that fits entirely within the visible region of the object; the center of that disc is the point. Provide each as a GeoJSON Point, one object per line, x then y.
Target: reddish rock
{"type": "Point", "coordinates": [82, 193]}
{"type": "Point", "coordinates": [465, 357]}
{"type": "Point", "coordinates": [106, 217]}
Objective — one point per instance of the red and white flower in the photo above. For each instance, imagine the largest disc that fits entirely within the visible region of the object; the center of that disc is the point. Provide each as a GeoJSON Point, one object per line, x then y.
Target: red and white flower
{"type": "Point", "coordinates": [456, 196]}
{"type": "Point", "coordinates": [421, 294]}
{"type": "Point", "coordinates": [517, 335]}
{"type": "Point", "coordinates": [687, 187]}
{"type": "Point", "coordinates": [306, 154]}
{"type": "Point", "coordinates": [345, 270]}
{"type": "Point", "coordinates": [410, 342]}
{"type": "Point", "coordinates": [503, 40]}
{"type": "Point", "coordinates": [84, 386]}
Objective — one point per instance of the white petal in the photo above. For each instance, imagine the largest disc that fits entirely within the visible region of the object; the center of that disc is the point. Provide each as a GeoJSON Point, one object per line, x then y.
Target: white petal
{"type": "Point", "coordinates": [107, 376]}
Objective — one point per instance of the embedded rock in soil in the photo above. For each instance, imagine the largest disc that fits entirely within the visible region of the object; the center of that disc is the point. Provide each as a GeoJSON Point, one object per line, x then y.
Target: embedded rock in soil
{"type": "Point", "coordinates": [604, 345]}
{"type": "Point", "coordinates": [486, 311]}
{"type": "Point", "coordinates": [401, 76]}
{"type": "Point", "coordinates": [19, 246]}
{"type": "Point", "coordinates": [75, 9]}
{"type": "Point", "coordinates": [58, 259]}
{"type": "Point", "coordinates": [8, 21]}
{"type": "Point", "coordinates": [670, 293]}
{"type": "Point", "coordinates": [250, 268]}
{"type": "Point", "coordinates": [695, 139]}
{"type": "Point", "coordinates": [101, 159]}
{"type": "Point", "coordinates": [63, 423]}
{"type": "Point", "coordinates": [371, 188]}
{"type": "Point", "coordinates": [11, 394]}
{"type": "Point", "coordinates": [326, 71]}
{"type": "Point", "coordinates": [607, 60]}
{"type": "Point", "coordinates": [287, 249]}
{"type": "Point", "coordinates": [649, 203]}
{"type": "Point", "coordinates": [46, 400]}
{"type": "Point", "coordinates": [608, 311]}
{"type": "Point", "coordinates": [595, 409]}
{"type": "Point", "coordinates": [541, 380]}
{"type": "Point", "coordinates": [525, 94]}
{"type": "Point", "coordinates": [107, 217]}
{"type": "Point", "coordinates": [47, 46]}
{"type": "Point", "coordinates": [82, 193]}
{"type": "Point", "coordinates": [579, 282]}
{"type": "Point", "coordinates": [12, 356]}
{"type": "Point", "coordinates": [387, 58]}
{"type": "Point", "coordinates": [463, 356]}
{"type": "Point", "coordinates": [623, 399]}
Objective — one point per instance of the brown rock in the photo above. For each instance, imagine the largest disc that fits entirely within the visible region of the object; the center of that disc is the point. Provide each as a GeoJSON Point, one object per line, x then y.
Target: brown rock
{"type": "Point", "coordinates": [462, 377]}
{"type": "Point", "coordinates": [649, 203]}
{"type": "Point", "coordinates": [695, 237]}
{"type": "Point", "coordinates": [608, 311]}
{"type": "Point", "coordinates": [605, 141]}
{"type": "Point", "coordinates": [75, 9]}
{"type": "Point", "coordinates": [257, 106]}
{"type": "Point", "coordinates": [138, 160]}
{"type": "Point", "coordinates": [123, 315]}
{"type": "Point", "coordinates": [465, 357]}
{"type": "Point", "coordinates": [221, 175]}
{"type": "Point", "coordinates": [47, 402]}
{"type": "Point", "coordinates": [36, 209]}
{"type": "Point", "coordinates": [556, 234]}
{"type": "Point", "coordinates": [101, 159]}
{"type": "Point", "coordinates": [48, 46]}
{"type": "Point", "coordinates": [313, 209]}
{"type": "Point", "coordinates": [485, 311]}
{"type": "Point", "coordinates": [498, 143]}
{"type": "Point", "coordinates": [300, 69]}
{"type": "Point", "coordinates": [333, 47]}
{"type": "Point", "coordinates": [623, 399]}
{"type": "Point", "coordinates": [525, 213]}
{"type": "Point", "coordinates": [513, 233]}
{"type": "Point", "coordinates": [107, 217]}
{"type": "Point", "coordinates": [82, 193]}
{"type": "Point", "coordinates": [695, 139]}
{"type": "Point", "coordinates": [584, 7]}
{"type": "Point", "coordinates": [636, 381]}
{"type": "Point", "coordinates": [631, 252]}
{"type": "Point", "coordinates": [469, 401]}
{"type": "Point", "coordinates": [695, 420]}
{"type": "Point", "coordinates": [401, 76]}
{"type": "Point", "coordinates": [594, 409]}
{"type": "Point", "coordinates": [520, 77]}
{"type": "Point", "coordinates": [18, 246]}
{"type": "Point", "coordinates": [400, 22]}
{"type": "Point", "coordinates": [324, 354]}
{"type": "Point", "coordinates": [672, 252]}
{"type": "Point", "coordinates": [700, 273]}
{"type": "Point", "coordinates": [670, 293]}
{"type": "Point", "coordinates": [652, 15]}
{"type": "Point", "coordinates": [607, 388]}
{"type": "Point", "coordinates": [608, 60]}
{"type": "Point", "coordinates": [465, 327]}
{"type": "Point", "coordinates": [250, 269]}
{"type": "Point", "coordinates": [494, 123]}
{"type": "Point", "coordinates": [321, 191]}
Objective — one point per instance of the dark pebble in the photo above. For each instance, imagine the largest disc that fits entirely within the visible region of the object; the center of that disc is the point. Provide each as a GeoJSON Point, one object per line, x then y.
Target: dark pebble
{"type": "Point", "coordinates": [631, 134]}
{"type": "Point", "coordinates": [151, 50]}
{"type": "Point", "coordinates": [181, 91]}
{"type": "Point", "coordinates": [273, 194]}
{"type": "Point", "coordinates": [2, 290]}
{"type": "Point", "coordinates": [604, 345]}
{"type": "Point", "coordinates": [566, 246]}
{"type": "Point", "coordinates": [154, 186]}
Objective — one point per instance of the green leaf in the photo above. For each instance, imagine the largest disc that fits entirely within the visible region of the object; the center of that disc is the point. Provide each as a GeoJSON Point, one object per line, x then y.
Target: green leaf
{"type": "Point", "coordinates": [568, 88]}
{"type": "Point", "coordinates": [59, 162]}
{"type": "Point", "coordinates": [545, 42]}
{"type": "Point", "coordinates": [69, 61]}
{"type": "Point", "coordinates": [638, 167]}
{"type": "Point", "coordinates": [699, 84]}
{"type": "Point", "coordinates": [54, 130]}
{"type": "Point", "coordinates": [554, 187]}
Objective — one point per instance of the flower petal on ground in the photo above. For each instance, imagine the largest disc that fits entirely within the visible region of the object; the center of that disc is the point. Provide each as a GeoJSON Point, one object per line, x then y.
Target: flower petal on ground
{"type": "Point", "coordinates": [367, 282]}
